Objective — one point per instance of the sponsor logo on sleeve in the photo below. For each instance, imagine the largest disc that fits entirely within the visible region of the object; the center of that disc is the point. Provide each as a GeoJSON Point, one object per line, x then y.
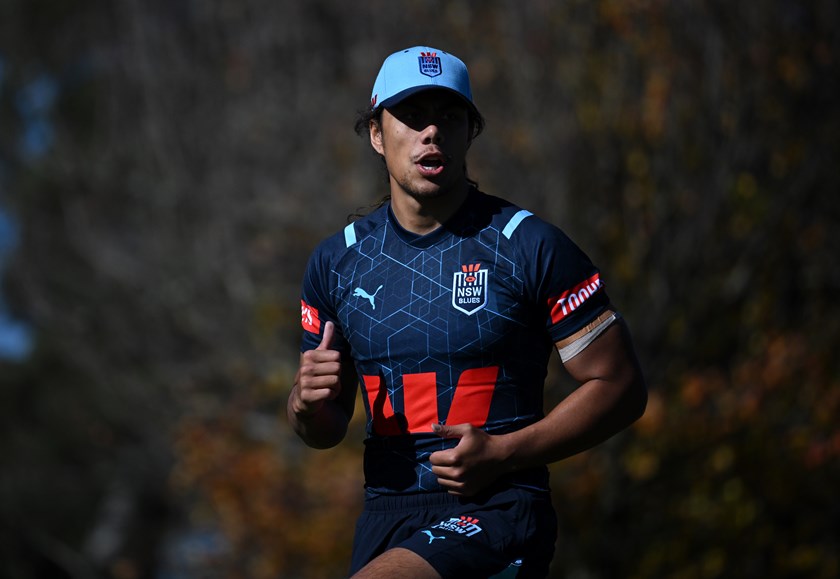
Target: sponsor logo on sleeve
{"type": "Point", "coordinates": [309, 318]}
{"type": "Point", "coordinates": [570, 300]}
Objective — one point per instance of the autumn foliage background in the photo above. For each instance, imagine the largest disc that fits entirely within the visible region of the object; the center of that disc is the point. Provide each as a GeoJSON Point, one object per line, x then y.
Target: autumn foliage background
{"type": "Point", "coordinates": [169, 166]}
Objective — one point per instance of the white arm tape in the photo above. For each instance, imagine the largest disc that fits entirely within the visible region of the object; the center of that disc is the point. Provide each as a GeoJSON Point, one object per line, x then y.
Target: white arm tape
{"type": "Point", "coordinates": [579, 345]}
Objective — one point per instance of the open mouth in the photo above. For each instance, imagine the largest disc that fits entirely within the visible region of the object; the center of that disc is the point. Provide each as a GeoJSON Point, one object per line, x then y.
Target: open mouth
{"type": "Point", "coordinates": [431, 164]}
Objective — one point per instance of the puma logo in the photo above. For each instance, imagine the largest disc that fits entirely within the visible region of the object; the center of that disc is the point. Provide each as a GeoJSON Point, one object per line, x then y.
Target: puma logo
{"type": "Point", "coordinates": [432, 537]}
{"type": "Point", "coordinates": [359, 292]}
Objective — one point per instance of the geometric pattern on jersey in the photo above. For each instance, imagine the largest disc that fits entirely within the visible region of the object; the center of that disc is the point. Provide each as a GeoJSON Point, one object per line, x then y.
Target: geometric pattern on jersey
{"type": "Point", "coordinates": [454, 326]}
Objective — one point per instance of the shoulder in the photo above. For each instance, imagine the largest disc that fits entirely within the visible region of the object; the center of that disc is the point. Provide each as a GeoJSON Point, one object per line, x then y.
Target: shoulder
{"type": "Point", "coordinates": [552, 263]}
{"type": "Point", "coordinates": [520, 226]}
{"type": "Point", "coordinates": [334, 247]}
{"type": "Point", "coordinates": [363, 227]}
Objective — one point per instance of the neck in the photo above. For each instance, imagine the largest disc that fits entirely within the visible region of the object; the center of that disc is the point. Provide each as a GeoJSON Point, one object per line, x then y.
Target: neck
{"type": "Point", "coordinates": [423, 214]}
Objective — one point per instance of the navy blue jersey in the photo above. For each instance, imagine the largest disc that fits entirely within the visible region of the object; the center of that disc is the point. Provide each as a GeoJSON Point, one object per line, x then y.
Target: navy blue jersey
{"type": "Point", "coordinates": [451, 327]}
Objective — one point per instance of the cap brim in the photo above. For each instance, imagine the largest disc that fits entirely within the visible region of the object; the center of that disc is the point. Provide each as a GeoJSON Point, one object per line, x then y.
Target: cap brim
{"type": "Point", "coordinates": [402, 95]}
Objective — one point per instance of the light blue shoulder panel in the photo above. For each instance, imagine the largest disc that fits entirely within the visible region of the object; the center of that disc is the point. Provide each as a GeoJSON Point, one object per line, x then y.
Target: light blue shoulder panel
{"type": "Point", "coordinates": [515, 221]}
{"type": "Point", "coordinates": [349, 235]}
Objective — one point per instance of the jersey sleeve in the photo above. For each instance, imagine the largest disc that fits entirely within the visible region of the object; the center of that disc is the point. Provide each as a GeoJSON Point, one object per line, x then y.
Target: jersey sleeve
{"type": "Point", "coordinates": [561, 279]}
{"type": "Point", "coordinates": [317, 305]}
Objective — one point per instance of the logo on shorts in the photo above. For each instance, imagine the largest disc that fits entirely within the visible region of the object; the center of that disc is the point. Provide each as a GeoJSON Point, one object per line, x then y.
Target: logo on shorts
{"type": "Point", "coordinates": [469, 288]}
{"type": "Point", "coordinates": [432, 537]}
{"type": "Point", "coordinates": [429, 64]}
{"type": "Point", "coordinates": [467, 526]}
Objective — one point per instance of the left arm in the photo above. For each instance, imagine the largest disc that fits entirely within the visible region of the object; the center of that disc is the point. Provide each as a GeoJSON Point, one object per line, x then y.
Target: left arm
{"type": "Point", "coordinates": [612, 395]}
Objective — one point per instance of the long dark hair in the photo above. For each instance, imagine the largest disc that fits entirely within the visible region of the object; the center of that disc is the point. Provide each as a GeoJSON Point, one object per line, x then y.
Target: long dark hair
{"type": "Point", "coordinates": [367, 115]}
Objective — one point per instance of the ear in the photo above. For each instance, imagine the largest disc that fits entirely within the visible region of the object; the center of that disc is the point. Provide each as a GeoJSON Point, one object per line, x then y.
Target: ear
{"type": "Point", "coordinates": [376, 137]}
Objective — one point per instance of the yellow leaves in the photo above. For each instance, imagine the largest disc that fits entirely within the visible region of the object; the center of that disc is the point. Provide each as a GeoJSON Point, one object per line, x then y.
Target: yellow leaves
{"type": "Point", "coordinates": [697, 388]}
{"type": "Point", "coordinates": [722, 459]}
{"type": "Point", "coordinates": [728, 119]}
{"type": "Point", "coordinates": [749, 205]}
{"type": "Point", "coordinates": [521, 141]}
{"type": "Point", "coordinates": [826, 411]}
{"type": "Point", "coordinates": [698, 506]}
{"type": "Point", "coordinates": [268, 316]}
{"type": "Point", "coordinates": [782, 359]}
{"type": "Point", "coordinates": [792, 70]}
{"type": "Point", "coordinates": [820, 452]}
{"type": "Point", "coordinates": [787, 157]}
{"type": "Point", "coordinates": [802, 558]}
{"type": "Point", "coordinates": [622, 16]}
{"type": "Point", "coordinates": [589, 116]}
{"type": "Point", "coordinates": [581, 477]}
{"type": "Point", "coordinates": [641, 465]}
{"type": "Point", "coordinates": [778, 362]}
{"type": "Point", "coordinates": [746, 186]}
{"type": "Point", "coordinates": [276, 512]}
{"type": "Point", "coordinates": [726, 504]}
{"type": "Point", "coordinates": [655, 104]}
{"type": "Point", "coordinates": [638, 163]}
{"type": "Point", "coordinates": [813, 238]}
{"type": "Point", "coordinates": [653, 420]}
{"type": "Point", "coordinates": [714, 563]}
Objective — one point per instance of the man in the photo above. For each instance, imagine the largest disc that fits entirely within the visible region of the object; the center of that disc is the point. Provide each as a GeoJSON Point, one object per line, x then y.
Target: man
{"type": "Point", "coordinates": [443, 306]}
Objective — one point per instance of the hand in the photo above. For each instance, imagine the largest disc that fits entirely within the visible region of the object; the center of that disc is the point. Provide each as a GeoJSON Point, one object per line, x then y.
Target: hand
{"type": "Point", "coordinates": [472, 465]}
{"type": "Point", "coordinates": [319, 377]}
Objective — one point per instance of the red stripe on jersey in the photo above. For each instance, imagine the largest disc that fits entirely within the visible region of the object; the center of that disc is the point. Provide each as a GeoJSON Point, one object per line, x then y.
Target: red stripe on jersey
{"type": "Point", "coordinates": [570, 300]}
{"type": "Point", "coordinates": [382, 413]}
{"type": "Point", "coordinates": [471, 403]}
{"type": "Point", "coordinates": [309, 318]}
{"type": "Point", "coordinates": [473, 395]}
{"type": "Point", "coordinates": [420, 400]}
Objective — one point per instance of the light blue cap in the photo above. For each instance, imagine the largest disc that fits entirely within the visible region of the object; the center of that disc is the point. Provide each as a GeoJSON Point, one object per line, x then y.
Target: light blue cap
{"type": "Point", "coordinates": [419, 68]}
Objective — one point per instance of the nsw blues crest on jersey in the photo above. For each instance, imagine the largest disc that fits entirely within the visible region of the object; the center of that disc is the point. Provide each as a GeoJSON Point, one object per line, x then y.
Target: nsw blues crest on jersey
{"type": "Point", "coordinates": [469, 289]}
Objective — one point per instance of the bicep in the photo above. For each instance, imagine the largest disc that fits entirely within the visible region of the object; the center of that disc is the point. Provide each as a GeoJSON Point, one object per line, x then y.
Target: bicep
{"type": "Point", "coordinates": [609, 357]}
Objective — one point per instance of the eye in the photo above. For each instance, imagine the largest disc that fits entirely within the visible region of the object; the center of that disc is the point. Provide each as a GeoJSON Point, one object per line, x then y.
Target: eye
{"type": "Point", "coordinates": [407, 114]}
{"type": "Point", "coordinates": [451, 119]}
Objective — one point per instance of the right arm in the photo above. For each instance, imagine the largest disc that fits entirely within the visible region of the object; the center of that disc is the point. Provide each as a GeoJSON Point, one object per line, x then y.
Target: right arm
{"type": "Point", "coordinates": [322, 399]}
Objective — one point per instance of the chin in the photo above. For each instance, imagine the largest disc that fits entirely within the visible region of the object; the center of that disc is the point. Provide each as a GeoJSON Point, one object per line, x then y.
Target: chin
{"type": "Point", "coordinates": [432, 190]}
{"type": "Point", "coordinates": [426, 191]}
{"type": "Point", "coordinates": [431, 193]}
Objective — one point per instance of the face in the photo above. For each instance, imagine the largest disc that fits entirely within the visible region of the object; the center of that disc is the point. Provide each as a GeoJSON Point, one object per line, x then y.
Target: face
{"type": "Point", "coordinates": [424, 140]}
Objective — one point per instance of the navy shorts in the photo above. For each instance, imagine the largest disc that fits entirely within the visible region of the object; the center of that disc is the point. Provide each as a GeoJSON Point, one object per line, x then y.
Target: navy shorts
{"type": "Point", "coordinates": [510, 533]}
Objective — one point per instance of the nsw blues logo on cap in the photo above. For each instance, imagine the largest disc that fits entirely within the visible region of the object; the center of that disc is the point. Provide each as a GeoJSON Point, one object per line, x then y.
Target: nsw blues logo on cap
{"type": "Point", "coordinates": [429, 64]}
{"type": "Point", "coordinates": [418, 68]}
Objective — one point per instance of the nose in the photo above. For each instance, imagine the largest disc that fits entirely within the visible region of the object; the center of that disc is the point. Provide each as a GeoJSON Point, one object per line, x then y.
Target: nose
{"type": "Point", "coordinates": [431, 135]}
